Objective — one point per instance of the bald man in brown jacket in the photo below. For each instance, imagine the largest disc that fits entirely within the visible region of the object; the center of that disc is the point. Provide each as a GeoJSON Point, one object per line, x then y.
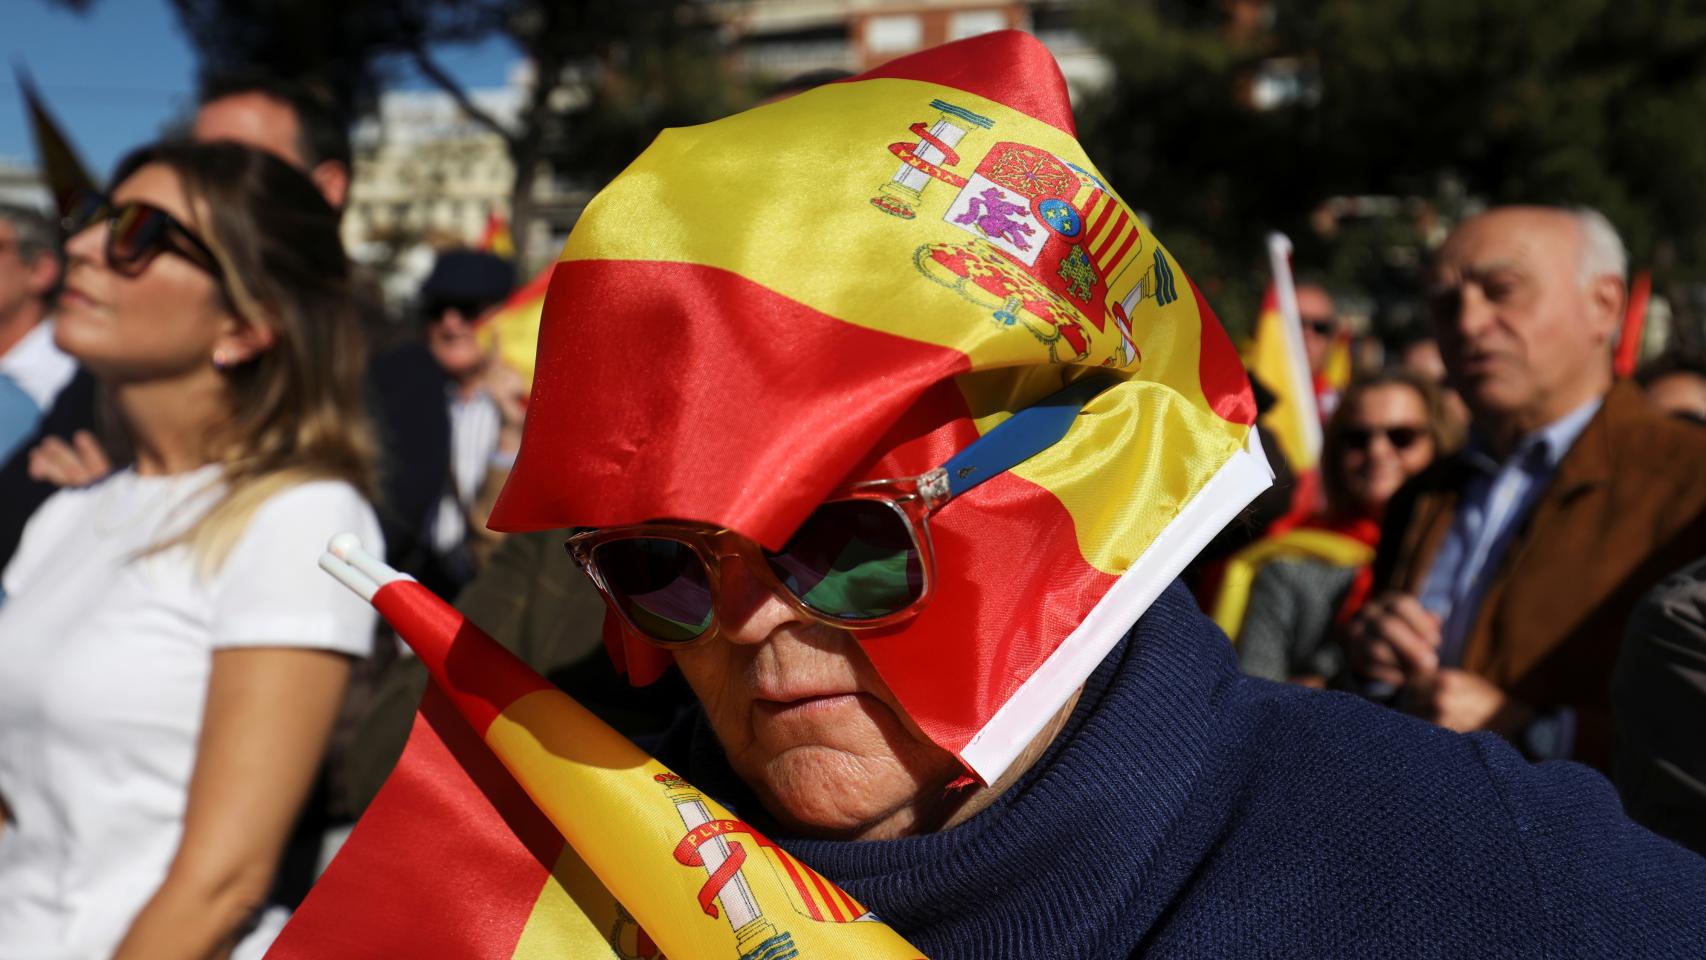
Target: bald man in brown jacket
{"type": "Point", "coordinates": [1506, 573]}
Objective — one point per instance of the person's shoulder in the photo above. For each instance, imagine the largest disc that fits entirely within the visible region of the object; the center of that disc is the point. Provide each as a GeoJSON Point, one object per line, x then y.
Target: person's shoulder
{"type": "Point", "coordinates": [1650, 439]}
{"type": "Point", "coordinates": [315, 510]}
{"type": "Point", "coordinates": [1675, 609]}
{"type": "Point", "coordinates": [318, 495]}
{"type": "Point", "coordinates": [1392, 804]}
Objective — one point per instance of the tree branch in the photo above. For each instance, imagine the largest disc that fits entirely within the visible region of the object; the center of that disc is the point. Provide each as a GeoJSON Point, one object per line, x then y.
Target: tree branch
{"type": "Point", "coordinates": [438, 75]}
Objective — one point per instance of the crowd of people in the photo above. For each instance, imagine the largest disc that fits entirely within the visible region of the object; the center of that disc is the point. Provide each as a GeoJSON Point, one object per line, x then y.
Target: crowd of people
{"type": "Point", "coordinates": [195, 397]}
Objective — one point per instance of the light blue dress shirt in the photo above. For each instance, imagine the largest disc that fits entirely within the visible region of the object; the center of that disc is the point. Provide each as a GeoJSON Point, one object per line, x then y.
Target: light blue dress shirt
{"type": "Point", "coordinates": [1496, 500]}
{"type": "Point", "coordinates": [18, 417]}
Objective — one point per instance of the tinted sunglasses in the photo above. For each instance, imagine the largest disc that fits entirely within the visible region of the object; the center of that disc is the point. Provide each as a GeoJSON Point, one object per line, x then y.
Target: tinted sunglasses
{"type": "Point", "coordinates": [861, 560]}
{"type": "Point", "coordinates": [1401, 438]}
{"type": "Point", "coordinates": [138, 232]}
{"type": "Point", "coordinates": [1321, 326]}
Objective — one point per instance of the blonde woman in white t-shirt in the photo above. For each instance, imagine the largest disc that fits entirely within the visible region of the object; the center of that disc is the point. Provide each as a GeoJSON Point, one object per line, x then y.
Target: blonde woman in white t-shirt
{"type": "Point", "coordinates": [170, 659]}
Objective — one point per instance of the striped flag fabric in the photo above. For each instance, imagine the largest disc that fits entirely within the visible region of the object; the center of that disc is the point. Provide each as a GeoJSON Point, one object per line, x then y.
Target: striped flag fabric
{"type": "Point", "coordinates": [854, 283]}
{"type": "Point", "coordinates": [518, 825]}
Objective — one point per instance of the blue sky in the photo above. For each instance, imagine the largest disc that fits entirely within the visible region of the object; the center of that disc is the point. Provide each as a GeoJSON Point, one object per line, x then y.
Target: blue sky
{"type": "Point", "coordinates": [115, 75]}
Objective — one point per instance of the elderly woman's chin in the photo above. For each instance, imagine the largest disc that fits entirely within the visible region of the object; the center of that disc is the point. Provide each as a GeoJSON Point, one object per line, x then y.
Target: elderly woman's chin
{"type": "Point", "coordinates": [892, 787]}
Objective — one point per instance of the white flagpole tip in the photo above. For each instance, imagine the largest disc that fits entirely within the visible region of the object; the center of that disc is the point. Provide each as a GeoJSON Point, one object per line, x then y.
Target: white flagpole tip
{"type": "Point", "coordinates": [342, 545]}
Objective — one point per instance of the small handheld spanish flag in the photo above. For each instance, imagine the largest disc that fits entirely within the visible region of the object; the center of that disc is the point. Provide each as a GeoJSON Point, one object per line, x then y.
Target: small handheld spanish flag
{"type": "Point", "coordinates": [519, 825]}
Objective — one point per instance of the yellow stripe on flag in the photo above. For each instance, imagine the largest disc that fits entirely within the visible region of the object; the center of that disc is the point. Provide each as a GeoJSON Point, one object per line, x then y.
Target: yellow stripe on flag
{"type": "Point", "coordinates": [689, 874]}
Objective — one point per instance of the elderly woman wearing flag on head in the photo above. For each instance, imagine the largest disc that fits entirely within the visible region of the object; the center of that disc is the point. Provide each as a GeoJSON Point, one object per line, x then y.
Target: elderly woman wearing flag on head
{"type": "Point", "coordinates": [883, 419]}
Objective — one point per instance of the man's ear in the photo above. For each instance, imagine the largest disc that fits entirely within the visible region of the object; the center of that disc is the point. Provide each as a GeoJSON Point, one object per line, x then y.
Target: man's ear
{"type": "Point", "coordinates": [1606, 296]}
{"type": "Point", "coordinates": [332, 178]}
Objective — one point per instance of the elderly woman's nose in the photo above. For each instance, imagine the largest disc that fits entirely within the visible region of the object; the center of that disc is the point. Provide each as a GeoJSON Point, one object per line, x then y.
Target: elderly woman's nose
{"type": "Point", "coordinates": [748, 606]}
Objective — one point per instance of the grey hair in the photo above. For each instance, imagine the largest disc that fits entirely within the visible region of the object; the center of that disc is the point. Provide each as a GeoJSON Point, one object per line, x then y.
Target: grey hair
{"type": "Point", "coordinates": [1602, 249]}
{"type": "Point", "coordinates": [36, 234]}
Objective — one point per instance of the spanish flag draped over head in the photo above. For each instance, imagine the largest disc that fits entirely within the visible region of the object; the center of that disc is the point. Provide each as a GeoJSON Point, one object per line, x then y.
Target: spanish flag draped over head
{"type": "Point", "coordinates": [855, 283]}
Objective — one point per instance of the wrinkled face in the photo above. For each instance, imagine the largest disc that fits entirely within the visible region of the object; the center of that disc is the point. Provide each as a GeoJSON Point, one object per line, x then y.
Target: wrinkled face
{"type": "Point", "coordinates": [808, 724]}
{"type": "Point", "coordinates": [1386, 443]}
{"type": "Point", "coordinates": [1320, 323]}
{"type": "Point", "coordinates": [163, 323]}
{"type": "Point", "coordinates": [1524, 336]}
{"type": "Point", "coordinates": [253, 119]}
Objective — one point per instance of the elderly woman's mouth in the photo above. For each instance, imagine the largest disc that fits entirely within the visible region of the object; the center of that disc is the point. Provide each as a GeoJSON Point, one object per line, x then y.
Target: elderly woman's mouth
{"type": "Point", "coordinates": [807, 705]}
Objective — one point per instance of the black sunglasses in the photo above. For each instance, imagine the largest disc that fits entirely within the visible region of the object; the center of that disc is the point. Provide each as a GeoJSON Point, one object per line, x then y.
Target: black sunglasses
{"type": "Point", "coordinates": [1321, 326]}
{"type": "Point", "coordinates": [1401, 438]}
{"type": "Point", "coordinates": [138, 232]}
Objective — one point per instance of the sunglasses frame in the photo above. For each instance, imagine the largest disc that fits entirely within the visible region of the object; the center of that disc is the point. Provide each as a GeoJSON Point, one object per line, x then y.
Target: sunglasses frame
{"type": "Point", "coordinates": [914, 499]}
{"type": "Point", "coordinates": [96, 207]}
{"type": "Point", "coordinates": [1025, 434]}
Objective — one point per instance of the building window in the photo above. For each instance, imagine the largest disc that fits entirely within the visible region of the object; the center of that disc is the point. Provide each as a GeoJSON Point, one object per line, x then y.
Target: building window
{"type": "Point", "coordinates": [970, 23]}
{"type": "Point", "coordinates": [893, 34]}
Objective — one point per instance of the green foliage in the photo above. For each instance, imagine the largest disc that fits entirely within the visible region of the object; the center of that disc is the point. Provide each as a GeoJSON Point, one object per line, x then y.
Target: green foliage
{"type": "Point", "coordinates": [1553, 101]}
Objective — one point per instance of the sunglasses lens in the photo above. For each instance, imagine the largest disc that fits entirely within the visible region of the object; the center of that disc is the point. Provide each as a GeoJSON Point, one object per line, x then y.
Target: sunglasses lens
{"type": "Point", "coordinates": [1402, 438]}
{"type": "Point", "coordinates": [137, 234]}
{"type": "Point", "coordinates": [660, 586]}
{"type": "Point", "coordinates": [852, 560]}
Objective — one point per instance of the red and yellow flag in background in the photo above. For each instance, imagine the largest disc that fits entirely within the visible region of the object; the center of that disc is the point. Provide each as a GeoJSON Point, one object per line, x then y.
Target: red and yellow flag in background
{"type": "Point", "coordinates": [855, 283]}
{"type": "Point", "coordinates": [1278, 360]}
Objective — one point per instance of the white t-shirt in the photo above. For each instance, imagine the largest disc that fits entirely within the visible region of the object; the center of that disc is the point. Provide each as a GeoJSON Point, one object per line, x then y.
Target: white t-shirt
{"type": "Point", "coordinates": [104, 665]}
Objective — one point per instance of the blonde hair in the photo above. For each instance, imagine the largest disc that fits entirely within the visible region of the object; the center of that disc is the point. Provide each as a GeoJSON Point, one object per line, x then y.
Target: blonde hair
{"type": "Point", "coordinates": [296, 409]}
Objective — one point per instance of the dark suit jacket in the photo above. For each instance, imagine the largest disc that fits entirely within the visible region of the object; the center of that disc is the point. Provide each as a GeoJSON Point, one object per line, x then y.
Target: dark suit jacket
{"type": "Point", "coordinates": [1625, 507]}
{"type": "Point", "coordinates": [72, 410]}
{"type": "Point", "coordinates": [406, 392]}
{"type": "Point", "coordinates": [1658, 696]}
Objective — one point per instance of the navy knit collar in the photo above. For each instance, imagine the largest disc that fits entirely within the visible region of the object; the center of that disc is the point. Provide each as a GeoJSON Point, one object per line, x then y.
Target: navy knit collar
{"type": "Point", "coordinates": [1068, 855]}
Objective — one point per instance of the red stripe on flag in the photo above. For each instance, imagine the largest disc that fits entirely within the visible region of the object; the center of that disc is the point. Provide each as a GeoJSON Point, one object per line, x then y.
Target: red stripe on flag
{"type": "Point", "coordinates": [747, 356]}
{"type": "Point", "coordinates": [828, 899]}
{"type": "Point", "coordinates": [448, 861]}
{"type": "Point", "coordinates": [1224, 382]}
{"type": "Point", "coordinates": [1106, 240]}
{"type": "Point", "coordinates": [1130, 238]}
{"type": "Point", "coordinates": [854, 911]}
{"type": "Point", "coordinates": [1029, 80]}
{"type": "Point", "coordinates": [798, 881]}
{"type": "Point", "coordinates": [977, 539]}
{"type": "Point", "coordinates": [1097, 209]}
{"type": "Point", "coordinates": [482, 685]}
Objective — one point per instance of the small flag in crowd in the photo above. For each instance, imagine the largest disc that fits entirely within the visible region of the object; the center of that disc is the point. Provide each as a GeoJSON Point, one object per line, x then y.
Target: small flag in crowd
{"type": "Point", "coordinates": [515, 326]}
{"type": "Point", "coordinates": [867, 277]}
{"type": "Point", "coordinates": [1628, 355]}
{"type": "Point", "coordinates": [518, 825]}
{"type": "Point", "coordinates": [496, 239]}
{"type": "Point", "coordinates": [1278, 360]}
{"type": "Point", "coordinates": [66, 177]}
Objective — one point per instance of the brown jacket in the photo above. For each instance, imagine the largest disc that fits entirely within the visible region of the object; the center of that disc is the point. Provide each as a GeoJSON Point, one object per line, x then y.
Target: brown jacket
{"type": "Point", "coordinates": [1625, 508]}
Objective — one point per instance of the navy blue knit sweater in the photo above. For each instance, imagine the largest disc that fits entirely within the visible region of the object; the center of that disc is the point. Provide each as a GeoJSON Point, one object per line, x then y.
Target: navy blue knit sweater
{"type": "Point", "coordinates": [1189, 811]}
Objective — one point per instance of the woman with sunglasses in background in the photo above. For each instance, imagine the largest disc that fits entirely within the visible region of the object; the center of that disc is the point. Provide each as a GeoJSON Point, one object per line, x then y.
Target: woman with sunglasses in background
{"type": "Point", "coordinates": [1388, 427]}
{"type": "Point", "coordinates": [170, 658]}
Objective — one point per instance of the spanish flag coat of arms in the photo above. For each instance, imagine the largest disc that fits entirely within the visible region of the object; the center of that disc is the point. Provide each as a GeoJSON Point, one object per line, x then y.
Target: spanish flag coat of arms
{"type": "Point", "coordinates": [852, 284]}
